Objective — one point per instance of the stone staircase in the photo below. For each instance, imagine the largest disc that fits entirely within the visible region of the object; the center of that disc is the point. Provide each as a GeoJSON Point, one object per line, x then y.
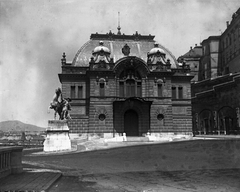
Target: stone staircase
{"type": "Point", "coordinates": [137, 139]}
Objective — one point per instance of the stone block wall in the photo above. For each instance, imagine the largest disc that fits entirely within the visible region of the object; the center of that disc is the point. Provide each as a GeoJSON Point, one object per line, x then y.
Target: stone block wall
{"type": "Point", "coordinates": [101, 107]}
{"type": "Point", "coordinates": [150, 86]}
{"type": "Point", "coordinates": [182, 119]}
{"type": "Point", "coordinates": [109, 88]}
{"type": "Point", "coordinates": [157, 124]}
{"type": "Point", "coordinates": [78, 125]}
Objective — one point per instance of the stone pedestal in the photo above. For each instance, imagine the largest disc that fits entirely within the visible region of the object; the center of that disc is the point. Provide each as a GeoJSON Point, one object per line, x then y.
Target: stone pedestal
{"type": "Point", "coordinates": [57, 138]}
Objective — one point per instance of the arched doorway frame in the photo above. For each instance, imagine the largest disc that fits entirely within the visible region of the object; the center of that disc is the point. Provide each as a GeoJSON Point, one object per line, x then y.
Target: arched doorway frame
{"type": "Point", "coordinates": [141, 106]}
{"type": "Point", "coordinates": [205, 124]}
{"type": "Point", "coordinates": [222, 124]}
{"type": "Point", "coordinates": [135, 108]}
{"type": "Point", "coordinates": [133, 129]}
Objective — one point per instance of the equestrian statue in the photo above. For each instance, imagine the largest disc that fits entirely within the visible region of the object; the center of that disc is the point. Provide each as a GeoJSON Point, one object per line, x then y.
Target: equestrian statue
{"type": "Point", "coordinates": [60, 105]}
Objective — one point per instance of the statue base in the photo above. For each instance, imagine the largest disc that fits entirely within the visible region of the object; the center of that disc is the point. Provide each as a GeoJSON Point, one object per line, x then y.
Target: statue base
{"type": "Point", "coordinates": [57, 138]}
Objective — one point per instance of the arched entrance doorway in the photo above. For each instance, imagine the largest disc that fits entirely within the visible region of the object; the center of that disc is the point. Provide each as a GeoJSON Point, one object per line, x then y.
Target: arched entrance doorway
{"type": "Point", "coordinates": [227, 118]}
{"type": "Point", "coordinates": [131, 123]}
{"type": "Point", "coordinates": [206, 122]}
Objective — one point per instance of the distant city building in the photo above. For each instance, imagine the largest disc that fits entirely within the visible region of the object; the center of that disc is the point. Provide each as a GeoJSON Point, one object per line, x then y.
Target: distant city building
{"type": "Point", "coordinates": [216, 95]}
{"type": "Point", "coordinates": [192, 60]}
{"type": "Point", "coordinates": [126, 84]}
{"type": "Point", "coordinates": [210, 59]}
{"type": "Point", "coordinates": [230, 46]}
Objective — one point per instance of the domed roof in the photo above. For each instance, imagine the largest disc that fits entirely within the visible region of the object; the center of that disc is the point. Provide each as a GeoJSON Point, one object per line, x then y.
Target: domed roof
{"type": "Point", "coordinates": [101, 48]}
{"type": "Point", "coordinates": [139, 46]}
{"type": "Point", "coordinates": [156, 49]}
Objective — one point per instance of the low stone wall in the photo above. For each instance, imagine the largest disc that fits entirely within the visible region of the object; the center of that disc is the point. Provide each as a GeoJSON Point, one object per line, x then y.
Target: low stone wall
{"type": "Point", "coordinates": [10, 160]}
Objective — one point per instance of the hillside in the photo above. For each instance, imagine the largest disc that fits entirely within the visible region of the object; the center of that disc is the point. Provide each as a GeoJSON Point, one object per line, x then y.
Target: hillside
{"type": "Point", "coordinates": [18, 126]}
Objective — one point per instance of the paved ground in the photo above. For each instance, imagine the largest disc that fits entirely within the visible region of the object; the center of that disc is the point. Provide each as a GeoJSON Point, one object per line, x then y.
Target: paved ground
{"type": "Point", "coordinates": [30, 180]}
{"type": "Point", "coordinates": [197, 166]}
{"type": "Point", "coordinates": [157, 181]}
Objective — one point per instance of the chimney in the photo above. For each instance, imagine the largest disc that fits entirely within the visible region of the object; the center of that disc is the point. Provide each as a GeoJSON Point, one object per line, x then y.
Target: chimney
{"type": "Point", "coordinates": [227, 23]}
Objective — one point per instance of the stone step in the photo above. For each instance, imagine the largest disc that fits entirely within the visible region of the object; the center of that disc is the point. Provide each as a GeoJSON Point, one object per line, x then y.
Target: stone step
{"type": "Point", "coordinates": [137, 139]}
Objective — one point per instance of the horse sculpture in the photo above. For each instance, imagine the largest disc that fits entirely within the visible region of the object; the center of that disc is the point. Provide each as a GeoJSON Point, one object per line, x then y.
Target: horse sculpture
{"type": "Point", "coordinates": [60, 105]}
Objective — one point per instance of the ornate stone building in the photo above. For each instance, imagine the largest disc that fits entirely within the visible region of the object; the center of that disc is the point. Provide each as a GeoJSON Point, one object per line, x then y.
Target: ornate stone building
{"type": "Point", "coordinates": [126, 84]}
{"type": "Point", "coordinates": [192, 59]}
{"type": "Point", "coordinates": [230, 46]}
{"type": "Point", "coordinates": [216, 95]}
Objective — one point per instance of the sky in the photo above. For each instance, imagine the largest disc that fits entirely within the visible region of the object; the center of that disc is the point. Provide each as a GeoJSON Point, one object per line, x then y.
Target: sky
{"type": "Point", "coordinates": [35, 33]}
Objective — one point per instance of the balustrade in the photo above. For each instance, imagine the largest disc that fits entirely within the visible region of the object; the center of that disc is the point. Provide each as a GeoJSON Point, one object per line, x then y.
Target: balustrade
{"type": "Point", "coordinates": [10, 160]}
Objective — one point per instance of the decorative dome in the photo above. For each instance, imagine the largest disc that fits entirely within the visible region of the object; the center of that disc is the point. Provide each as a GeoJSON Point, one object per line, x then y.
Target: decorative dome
{"type": "Point", "coordinates": [101, 48]}
{"type": "Point", "coordinates": [113, 44]}
{"type": "Point", "coordinates": [156, 49]}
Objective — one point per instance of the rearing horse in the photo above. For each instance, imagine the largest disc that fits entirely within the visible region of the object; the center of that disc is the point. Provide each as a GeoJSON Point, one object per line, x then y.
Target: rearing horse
{"type": "Point", "coordinates": [56, 103]}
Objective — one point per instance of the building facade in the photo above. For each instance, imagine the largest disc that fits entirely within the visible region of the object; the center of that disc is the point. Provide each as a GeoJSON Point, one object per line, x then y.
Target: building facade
{"type": "Point", "coordinates": [126, 84]}
{"type": "Point", "coordinates": [192, 60]}
{"type": "Point", "coordinates": [215, 97]}
{"type": "Point", "coordinates": [230, 46]}
{"type": "Point", "coordinates": [209, 61]}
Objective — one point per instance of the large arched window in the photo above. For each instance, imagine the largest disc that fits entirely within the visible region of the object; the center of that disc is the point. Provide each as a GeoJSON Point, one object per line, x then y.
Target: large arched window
{"type": "Point", "coordinates": [130, 84]}
{"type": "Point", "coordinates": [130, 92]}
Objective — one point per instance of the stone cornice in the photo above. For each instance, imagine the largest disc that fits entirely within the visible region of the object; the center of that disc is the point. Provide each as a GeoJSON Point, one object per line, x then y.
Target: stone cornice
{"type": "Point", "coordinates": [71, 77]}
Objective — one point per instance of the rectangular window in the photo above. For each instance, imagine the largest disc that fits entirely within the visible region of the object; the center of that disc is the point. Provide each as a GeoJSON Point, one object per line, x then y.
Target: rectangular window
{"type": "Point", "coordinates": [121, 89]}
{"type": "Point", "coordinates": [72, 94]}
{"type": "Point", "coordinates": [180, 93]}
{"type": "Point", "coordinates": [160, 94]}
{"type": "Point", "coordinates": [139, 89]}
{"type": "Point", "coordinates": [130, 88]}
{"type": "Point", "coordinates": [174, 93]}
{"type": "Point", "coordinates": [80, 91]}
{"type": "Point", "coordinates": [206, 71]}
{"type": "Point", "coordinates": [102, 91]}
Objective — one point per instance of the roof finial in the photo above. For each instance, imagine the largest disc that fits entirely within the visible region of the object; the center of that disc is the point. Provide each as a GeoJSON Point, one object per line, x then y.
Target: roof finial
{"type": "Point", "coordinates": [119, 28]}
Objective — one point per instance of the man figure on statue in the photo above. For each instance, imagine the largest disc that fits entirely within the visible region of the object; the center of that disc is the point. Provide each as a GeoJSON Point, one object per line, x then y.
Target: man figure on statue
{"type": "Point", "coordinates": [66, 107]}
{"type": "Point", "coordinates": [60, 105]}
